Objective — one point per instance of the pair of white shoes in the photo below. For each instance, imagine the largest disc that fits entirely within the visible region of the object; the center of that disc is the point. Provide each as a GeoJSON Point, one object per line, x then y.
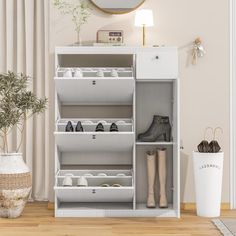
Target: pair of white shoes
{"type": "Point", "coordinates": [68, 181]}
{"type": "Point", "coordinates": [100, 73]}
{"type": "Point", "coordinates": [77, 73]}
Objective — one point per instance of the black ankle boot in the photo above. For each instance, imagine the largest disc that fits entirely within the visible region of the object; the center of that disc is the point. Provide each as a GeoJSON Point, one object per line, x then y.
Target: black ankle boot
{"type": "Point", "coordinates": [69, 127]}
{"type": "Point", "coordinates": [79, 127]}
{"type": "Point", "coordinates": [159, 130]}
{"type": "Point", "coordinates": [100, 128]}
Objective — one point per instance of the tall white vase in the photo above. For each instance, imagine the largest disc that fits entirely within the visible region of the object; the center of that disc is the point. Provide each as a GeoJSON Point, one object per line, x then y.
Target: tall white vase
{"type": "Point", "coordinates": [15, 184]}
{"type": "Point", "coordinates": [208, 171]}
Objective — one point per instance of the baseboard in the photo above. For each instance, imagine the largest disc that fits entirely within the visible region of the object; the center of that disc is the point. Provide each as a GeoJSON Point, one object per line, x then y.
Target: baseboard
{"type": "Point", "coordinates": [186, 206]}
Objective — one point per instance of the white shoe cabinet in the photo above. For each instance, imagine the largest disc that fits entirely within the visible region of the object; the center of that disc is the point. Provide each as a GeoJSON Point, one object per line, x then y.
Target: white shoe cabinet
{"type": "Point", "coordinates": [145, 83]}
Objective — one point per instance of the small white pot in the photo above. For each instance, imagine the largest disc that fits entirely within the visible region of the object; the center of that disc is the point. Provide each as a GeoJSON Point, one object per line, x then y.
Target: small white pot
{"type": "Point", "coordinates": [15, 184]}
{"type": "Point", "coordinates": [208, 171]}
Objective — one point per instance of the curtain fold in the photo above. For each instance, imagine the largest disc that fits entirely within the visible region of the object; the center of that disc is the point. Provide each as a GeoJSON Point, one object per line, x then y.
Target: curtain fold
{"type": "Point", "coordinates": [24, 47]}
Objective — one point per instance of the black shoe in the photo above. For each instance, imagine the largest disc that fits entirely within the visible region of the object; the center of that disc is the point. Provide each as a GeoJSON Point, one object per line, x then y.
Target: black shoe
{"type": "Point", "coordinates": [100, 128]}
{"type": "Point", "coordinates": [79, 127]}
{"type": "Point", "coordinates": [114, 128]}
{"type": "Point", "coordinates": [159, 130]}
{"type": "Point", "coordinates": [214, 146]}
{"type": "Point", "coordinates": [69, 127]}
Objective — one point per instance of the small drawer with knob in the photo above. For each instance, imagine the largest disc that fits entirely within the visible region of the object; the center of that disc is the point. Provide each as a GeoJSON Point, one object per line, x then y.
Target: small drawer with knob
{"type": "Point", "coordinates": [159, 64]}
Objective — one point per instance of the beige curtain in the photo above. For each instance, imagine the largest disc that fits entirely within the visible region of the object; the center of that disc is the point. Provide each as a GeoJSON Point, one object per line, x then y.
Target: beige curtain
{"type": "Point", "coordinates": [24, 47]}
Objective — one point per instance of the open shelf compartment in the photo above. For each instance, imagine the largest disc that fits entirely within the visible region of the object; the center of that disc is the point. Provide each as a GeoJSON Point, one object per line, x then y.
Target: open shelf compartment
{"type": "Point", "coordinates": [95, 192]}
{"type": "Point", "coordinates": [93, 72]}
{"type": "Point", "coordinates": [142, 175]}
{"type": "Point", "coordinates": [101, 209]}
{"type": "Point", "coordinates": [89, 125]}
{"type": "Point", "coordinates": [117, 209]}
{"type": "Point", "coordinates": [96, 173]}
{"type": "Point", "coordinates": [91, 140]}
{"type": "Point", "coordinates": [96, 178]}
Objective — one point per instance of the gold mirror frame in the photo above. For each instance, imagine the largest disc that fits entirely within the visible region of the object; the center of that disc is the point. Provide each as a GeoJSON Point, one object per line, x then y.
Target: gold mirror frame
{"type": "Point", "coordinates": [117, 13]}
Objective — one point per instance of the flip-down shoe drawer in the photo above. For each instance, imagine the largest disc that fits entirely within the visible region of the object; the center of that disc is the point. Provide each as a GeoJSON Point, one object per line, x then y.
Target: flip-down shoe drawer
{"type": "Point", "coordinates": [94, 194]}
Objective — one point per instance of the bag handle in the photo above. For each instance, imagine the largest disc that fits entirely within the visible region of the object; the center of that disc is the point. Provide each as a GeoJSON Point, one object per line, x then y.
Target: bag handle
{"type": "Point", "coordinates": [206, 129]}
{"type": "Point", "coordinates": [217, 128]}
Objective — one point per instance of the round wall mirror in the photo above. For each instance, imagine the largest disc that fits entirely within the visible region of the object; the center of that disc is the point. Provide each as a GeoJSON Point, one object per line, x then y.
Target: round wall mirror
{"type": "Point", "coordinates": [117, 6]}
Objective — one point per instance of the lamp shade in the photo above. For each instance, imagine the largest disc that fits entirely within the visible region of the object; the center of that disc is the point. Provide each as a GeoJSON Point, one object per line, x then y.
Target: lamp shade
{"type": "Point", "coordinates": [144, 17]}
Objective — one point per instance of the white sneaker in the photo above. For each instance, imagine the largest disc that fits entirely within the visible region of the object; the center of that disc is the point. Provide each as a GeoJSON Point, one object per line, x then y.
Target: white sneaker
{"type": "Point", "coordinates": [102, 174]}
{"type": "Point", "coordinates": [78, 73]}
{"type": "Point", "coordinates": [114, 73]}
{"type": "Point", "coordinates": [67, 181]}
{"type": "Point", "coordinates": [100, 73]}
{"type": "Point", "coordinates": [67, 73]}
{"type": "Point", "coordinates": [82, 182]}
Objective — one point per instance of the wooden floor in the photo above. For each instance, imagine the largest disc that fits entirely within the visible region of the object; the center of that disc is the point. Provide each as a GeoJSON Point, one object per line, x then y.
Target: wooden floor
{"type": "Point", "coordinates": [37, 220]}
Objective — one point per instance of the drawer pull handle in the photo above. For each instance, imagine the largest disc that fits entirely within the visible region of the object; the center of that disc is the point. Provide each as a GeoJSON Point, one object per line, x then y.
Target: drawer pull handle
{"type": "Point", "coordinates": [93, 191]}
{"type": "Point", "coordinates": [157, 57]}
{"type": "Point", "coordinates": [94, 82]}
{"type": "Point", "coordinates": [94, 137]}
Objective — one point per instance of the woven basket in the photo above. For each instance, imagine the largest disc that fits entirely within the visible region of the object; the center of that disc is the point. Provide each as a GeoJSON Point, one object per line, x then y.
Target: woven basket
{"type": "Point", "coordinates": [15, 181]}
{"type": "Point", "coordinates": [15, 185]}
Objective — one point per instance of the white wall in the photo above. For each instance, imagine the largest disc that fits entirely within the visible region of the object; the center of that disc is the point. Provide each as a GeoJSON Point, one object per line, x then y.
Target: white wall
{"type": "Point", "coordinates": [204, 87]}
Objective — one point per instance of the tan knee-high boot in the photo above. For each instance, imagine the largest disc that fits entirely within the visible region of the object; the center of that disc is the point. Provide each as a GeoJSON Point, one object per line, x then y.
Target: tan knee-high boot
{"type": "Point", "coordinates": [162, 177]}
{"type": "Point", "coordinates": [151, 175]}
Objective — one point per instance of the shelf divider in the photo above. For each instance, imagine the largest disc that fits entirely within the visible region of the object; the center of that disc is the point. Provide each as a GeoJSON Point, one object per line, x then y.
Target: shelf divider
{"type": "Point", "coordinates": [139, 143]}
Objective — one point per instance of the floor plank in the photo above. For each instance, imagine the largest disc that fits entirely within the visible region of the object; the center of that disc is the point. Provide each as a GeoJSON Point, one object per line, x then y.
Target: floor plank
{"type": "Point", "coordinates": [37, 220]}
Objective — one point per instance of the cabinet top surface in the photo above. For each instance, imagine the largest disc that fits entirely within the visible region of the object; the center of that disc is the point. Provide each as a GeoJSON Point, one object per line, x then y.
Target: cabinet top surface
{"type": "Point", "coordinates": [109, 49]}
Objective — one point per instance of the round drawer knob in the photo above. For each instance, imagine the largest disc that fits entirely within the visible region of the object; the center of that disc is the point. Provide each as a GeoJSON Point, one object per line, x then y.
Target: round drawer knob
{"type": "Point", "coordinates": [157, 57]}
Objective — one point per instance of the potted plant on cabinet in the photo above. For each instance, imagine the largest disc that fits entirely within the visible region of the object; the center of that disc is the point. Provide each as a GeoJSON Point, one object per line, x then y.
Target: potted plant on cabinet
{"type": "Point", "coordinates": [17, 104]}
{"type": "Point", "coordinates": [79, 12]}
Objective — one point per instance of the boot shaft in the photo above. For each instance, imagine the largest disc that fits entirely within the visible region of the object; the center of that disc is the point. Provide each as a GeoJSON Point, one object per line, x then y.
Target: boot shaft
{"type": "Point", "coordinates": [161, 119]}
{"type": "Point", "coordinates": [162, 175]}
{"type": "Point", "coordinates": [151, 176]}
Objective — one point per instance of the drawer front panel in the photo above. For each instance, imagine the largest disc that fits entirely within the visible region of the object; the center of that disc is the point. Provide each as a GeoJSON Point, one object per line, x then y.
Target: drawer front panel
{"type": "Point", "coordinates": [94, 194]}
{"type": "Point", "coordinates": [100, 141]}
{"type": "Point", "coordinates": [157, 65]}
{"type": "Point", "coordinates": [88, 91]}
